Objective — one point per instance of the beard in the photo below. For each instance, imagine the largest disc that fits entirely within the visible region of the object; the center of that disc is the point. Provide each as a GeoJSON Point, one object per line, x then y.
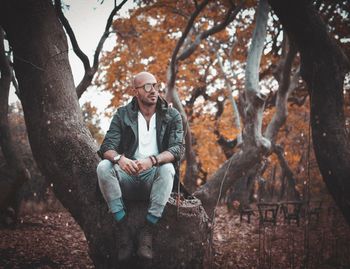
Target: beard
{"type": "Point", "coordinates": [149, 100]}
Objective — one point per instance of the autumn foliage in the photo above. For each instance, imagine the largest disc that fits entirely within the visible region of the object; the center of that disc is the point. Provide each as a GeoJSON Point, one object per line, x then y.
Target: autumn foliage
{"type": "Point", "coordinates": [146, 39]}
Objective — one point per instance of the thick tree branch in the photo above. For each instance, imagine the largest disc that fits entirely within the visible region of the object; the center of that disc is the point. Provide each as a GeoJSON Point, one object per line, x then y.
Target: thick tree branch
{"type": "Point", "coordinates": [254, 99]}
{"type": "Point", "coordinates": [284, 90]}
{"type": "Point", "coordinates": [278, 150]}
{"type": "Point", "coordinates": [255, 51]}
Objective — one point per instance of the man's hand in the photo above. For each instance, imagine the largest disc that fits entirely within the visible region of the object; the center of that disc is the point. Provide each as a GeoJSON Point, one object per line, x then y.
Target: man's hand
{"type": "Point", "coordinates": [128, 165]}
{"type": "Point", "coordinates": [144, 164]}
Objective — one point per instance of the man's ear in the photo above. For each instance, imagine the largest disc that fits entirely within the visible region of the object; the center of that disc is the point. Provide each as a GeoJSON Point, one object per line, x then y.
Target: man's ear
{"type": "Point", "coordinates": [134, 92]}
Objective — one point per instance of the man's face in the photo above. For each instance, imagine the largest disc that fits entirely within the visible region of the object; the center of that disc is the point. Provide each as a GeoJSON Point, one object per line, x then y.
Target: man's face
{"type": "Point", "coordinates": [146, 90]}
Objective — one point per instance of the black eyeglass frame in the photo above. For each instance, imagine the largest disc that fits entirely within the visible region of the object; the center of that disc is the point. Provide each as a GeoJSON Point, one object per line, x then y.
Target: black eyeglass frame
{"type": "Point", "coordinates": [148, 87]}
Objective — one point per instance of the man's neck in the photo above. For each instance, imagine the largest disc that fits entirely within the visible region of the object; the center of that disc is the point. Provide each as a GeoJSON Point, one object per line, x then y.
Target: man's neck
{"type": "Point", "coordinates": [147, 111]}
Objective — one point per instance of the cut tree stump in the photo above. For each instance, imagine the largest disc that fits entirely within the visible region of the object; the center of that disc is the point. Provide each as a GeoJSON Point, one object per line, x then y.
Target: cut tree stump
{"type": "Point", "coordinates": [181, 239]}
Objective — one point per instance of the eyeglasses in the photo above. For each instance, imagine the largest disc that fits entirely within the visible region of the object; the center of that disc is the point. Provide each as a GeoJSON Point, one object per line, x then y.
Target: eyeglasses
{"type": "Point", "coordinates": [148, 87]}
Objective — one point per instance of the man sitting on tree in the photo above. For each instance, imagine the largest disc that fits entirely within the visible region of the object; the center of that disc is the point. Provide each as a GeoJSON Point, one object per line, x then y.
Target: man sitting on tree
{"type": "Point", "coordinates": [139, 149]}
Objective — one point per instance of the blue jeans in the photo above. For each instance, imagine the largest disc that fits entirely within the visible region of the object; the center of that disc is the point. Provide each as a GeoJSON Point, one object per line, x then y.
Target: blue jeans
{"type": "Point", "coordinates": [154, 184]}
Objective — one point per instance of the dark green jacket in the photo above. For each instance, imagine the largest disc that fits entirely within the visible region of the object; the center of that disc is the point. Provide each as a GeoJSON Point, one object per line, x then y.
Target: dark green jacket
{"type": "Point", "coordinates": [122, 135]}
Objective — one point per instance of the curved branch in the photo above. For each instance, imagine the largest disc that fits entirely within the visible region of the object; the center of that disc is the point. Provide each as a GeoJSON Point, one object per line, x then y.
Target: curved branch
{"type": "Point", "coordinates": [90, 71]}
{"type": "Point", "coordinates": [106, 33]}
{"type": "Point", "coordinates": [254, 98]}
{"type": "Point", "coordinates": [229, 17]}
{"type": "Point", "coordinates": [82, 56]}
{"type": "Point", "coordinates": [284, 90]}
{"type": "Point", "coordinates": [173, 63]}
{"type": "Point", "coordinates": [89, 74]}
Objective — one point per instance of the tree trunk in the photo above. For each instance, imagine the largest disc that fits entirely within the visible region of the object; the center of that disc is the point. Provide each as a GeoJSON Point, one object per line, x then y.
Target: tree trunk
{"type": "Point", "coordinates": [64, 149]}
{"type": "Point", "coordinates": [17, 170]}
{"type": "Point", "coordinates": [323, 67]}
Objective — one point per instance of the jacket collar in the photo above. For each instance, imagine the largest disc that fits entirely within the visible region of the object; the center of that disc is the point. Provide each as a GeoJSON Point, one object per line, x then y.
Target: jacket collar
{"type": "Point", "coordinates": [161, 109]}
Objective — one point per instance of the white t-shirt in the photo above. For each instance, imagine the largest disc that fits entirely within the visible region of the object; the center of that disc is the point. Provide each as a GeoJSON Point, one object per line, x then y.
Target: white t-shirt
{"type": "Point", "coordinates": [147, 138]}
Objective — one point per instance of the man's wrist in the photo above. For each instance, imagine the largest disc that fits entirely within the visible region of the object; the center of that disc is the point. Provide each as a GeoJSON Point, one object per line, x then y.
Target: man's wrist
{"type": "Point", "coordinates": [154, 160]}
{"type": "Point", "coordinates": [116, 159]}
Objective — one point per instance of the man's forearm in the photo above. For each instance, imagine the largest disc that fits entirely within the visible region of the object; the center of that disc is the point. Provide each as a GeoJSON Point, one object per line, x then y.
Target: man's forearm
{"type": "Point", "coordinates": [165, 157]}
{"type": "Point", "coordinates": [110, 154]}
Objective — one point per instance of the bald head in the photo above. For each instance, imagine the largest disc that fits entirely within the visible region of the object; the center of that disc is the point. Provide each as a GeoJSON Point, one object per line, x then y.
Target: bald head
{"type": "Point", "coordinates": [142, 78]}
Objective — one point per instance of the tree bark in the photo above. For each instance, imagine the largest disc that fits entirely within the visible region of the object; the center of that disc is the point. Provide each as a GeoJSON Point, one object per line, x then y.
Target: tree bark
{"type": "Point", "coordinates": [64, 149]}
{"type": "Point", "coordinates": [17, 169]}
{"type": "Point", "coordinates": [323, 67]}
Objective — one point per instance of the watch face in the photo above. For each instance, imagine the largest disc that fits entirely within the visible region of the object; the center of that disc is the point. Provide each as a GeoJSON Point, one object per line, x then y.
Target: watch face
{"type": "Point", "coordinates": [116, 158]}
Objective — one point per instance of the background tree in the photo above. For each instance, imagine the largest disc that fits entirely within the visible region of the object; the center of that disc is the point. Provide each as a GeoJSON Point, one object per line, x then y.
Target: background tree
{"type": "Point", "coordinates": [323, 67]}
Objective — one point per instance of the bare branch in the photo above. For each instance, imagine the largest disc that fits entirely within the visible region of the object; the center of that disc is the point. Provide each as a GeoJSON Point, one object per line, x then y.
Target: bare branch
{"type": "Point", "coordinates": [82, 56]}
{"type": "Point", "coordinates": [181, 12]}
{"type": "Point", "coordinates": [173, 63]}
{"type": "Point", "coordinates": [89, 74]}
{"type": "Point", "coordinates": [229, 17]}
{"type": "Point", "coordinates": [106, 33]}
{"type": "Point", "coordinates": [89, 71]}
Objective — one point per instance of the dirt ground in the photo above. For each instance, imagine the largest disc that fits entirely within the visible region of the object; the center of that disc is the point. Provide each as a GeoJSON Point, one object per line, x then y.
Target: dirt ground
{"type": "Point", "coordinates": [54, 240]}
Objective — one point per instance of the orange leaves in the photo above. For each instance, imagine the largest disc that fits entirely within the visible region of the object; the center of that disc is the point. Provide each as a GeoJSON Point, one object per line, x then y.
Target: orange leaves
{"type": "Point", "coordinates": [146, 40]}
{"type": "Point", "coordinates": [226, 124]}
{"type": "Point", "coordinates": [208, 151]}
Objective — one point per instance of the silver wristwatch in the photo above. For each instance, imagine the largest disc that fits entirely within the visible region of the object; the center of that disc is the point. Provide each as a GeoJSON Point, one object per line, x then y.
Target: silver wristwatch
{"type": "Point", "coordinates": [116, 158]}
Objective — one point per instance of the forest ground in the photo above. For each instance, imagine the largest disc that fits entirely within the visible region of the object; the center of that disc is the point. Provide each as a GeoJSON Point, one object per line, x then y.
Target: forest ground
{"type": "Point", "coordinates": [54, 240]}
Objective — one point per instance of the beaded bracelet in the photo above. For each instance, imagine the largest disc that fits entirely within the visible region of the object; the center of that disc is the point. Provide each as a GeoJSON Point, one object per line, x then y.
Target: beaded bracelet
{"type": "Point", "coordinates": [155, 160]}
{"type": "Point", "coordinates": [152, 160]}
